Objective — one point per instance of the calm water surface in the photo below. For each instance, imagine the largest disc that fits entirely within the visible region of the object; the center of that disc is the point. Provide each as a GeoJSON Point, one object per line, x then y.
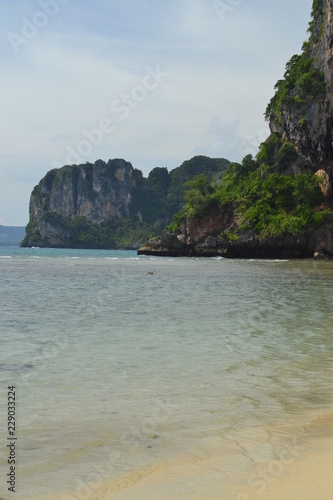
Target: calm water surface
{"type": "Point", "coordinates": [121, 362]}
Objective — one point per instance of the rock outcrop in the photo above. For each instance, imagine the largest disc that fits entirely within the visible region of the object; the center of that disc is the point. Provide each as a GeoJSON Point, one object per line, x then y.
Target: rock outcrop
{"type": "Point", "coordinates": [99, 192]}
{"type": "Point", "coordinates": [109, 205]}
{"type": "Point", "coordinates": [165, 245]}
{"type": "Point", "coordinates": [225, 243]}
{"type": "Point", "coordinates": [301, 116]}
{"type": "Point", "coordinates": [308, 125]}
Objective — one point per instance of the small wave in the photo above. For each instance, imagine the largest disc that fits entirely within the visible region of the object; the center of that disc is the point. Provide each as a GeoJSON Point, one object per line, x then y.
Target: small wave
{"type": "Point", "coordinates": [112, 258]}
{"type": "Point", "coordinates": [5, 256]}
{"type": "Point", "coordinates": [268, 260]}
{"type": "Point", "coordinates": [14, 368]}
{"type": "Point", "coordinates": [279, 260]}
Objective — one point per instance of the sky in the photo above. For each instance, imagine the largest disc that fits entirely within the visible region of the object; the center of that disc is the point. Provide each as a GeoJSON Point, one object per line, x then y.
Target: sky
{"type": "Point", "coordinates": [155, 82]}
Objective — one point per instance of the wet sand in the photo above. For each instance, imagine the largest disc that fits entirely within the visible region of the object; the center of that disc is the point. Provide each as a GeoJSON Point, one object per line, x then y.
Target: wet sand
{"type": "Point", "coordinates": [309, 477]}
{"type": "Point", "coordinates": [301, 471]}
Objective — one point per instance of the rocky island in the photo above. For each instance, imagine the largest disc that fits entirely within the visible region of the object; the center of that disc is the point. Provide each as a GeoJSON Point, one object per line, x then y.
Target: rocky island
{"type": "Point", "coordinates": [279, 204]}
{"type": "Point", "coordinates": [109, 204]}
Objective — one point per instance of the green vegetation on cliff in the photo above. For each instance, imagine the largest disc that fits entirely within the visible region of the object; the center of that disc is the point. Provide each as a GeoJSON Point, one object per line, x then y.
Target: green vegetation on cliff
{"type": "Point", "coordinates": [302, 81]}
{"type": "Point", "coordinates": [161, 195]}
{"type": "Point", "coordinates": [213, 168]}
{"type": "Point", "coordinates": [276, 193]}
{"type": "Point", "coordinates": [84, 234]}
{"type": "Point", "coordinates": [267, 199]}
{"type": "Point", "coordinates": [317, 13]}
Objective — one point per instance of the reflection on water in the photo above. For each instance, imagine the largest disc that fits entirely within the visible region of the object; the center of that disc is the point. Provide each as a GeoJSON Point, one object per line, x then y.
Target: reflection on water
{"type": "Point", "coordinates": [117, 365]}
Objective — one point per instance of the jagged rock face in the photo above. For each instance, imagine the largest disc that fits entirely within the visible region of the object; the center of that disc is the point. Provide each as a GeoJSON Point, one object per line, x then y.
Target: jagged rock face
{"type": "Point", "coordinates": [196, 231]}
{"type": "Point", "coordinates": [51, 235]}
{"type": "Point", "coordinates": [99, 192]}
{"type": "Point", "coordinates": [165, 245]}
{"type": "Point", "coordinates": [309, 126]}
{"type": "Point", "coordinates": [317, 243]}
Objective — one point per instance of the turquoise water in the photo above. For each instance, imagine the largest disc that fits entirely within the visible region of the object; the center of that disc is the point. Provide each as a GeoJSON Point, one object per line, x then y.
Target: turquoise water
{"type": "Point", "coordinates": [121, 362]}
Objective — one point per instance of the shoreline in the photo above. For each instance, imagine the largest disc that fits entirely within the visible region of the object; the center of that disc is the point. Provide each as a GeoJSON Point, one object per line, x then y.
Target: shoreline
{"type": "Point", "coordinates": [301, 472]}
{"type": "Point", "coordinates": [300, 468]}
{"type": "Point", "coordinates": [307, 477]}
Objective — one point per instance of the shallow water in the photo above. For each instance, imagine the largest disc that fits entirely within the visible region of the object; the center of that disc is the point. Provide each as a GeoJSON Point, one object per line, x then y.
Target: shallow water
{"type": "Point", "coordinates": [122, 362]}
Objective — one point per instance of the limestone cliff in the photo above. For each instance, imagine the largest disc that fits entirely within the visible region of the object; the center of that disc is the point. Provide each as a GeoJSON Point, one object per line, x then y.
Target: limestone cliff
{"type": "Point", "coordinates": [99, 193]}
{"type": "Point", "coordinates": [109, 205]}
{"type": "Point", "coordinates": [271, 206]}
{"type": "Point", "coordinates": [304, 113]}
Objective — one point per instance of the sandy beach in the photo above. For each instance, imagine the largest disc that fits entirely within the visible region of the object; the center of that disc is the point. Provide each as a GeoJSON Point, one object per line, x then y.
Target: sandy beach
{"type": "Point", "coordinates": [301, 471]}
{"type": "Point", "coordinates": [306, 475]}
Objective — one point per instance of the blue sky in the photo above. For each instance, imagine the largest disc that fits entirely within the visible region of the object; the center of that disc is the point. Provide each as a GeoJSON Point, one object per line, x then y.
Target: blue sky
{"type": "Point", "coordinates": [154, 82]}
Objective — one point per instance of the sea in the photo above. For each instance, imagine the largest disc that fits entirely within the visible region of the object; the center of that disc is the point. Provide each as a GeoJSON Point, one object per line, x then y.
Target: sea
{"type": "Point", "coordinates": [121, 363]}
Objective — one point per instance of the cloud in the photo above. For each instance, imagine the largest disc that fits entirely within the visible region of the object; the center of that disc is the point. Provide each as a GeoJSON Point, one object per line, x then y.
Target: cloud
{"type": "Point", "coordinates": [61, 137]}
{"type": "Point", "coordinates": [225, 140]}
